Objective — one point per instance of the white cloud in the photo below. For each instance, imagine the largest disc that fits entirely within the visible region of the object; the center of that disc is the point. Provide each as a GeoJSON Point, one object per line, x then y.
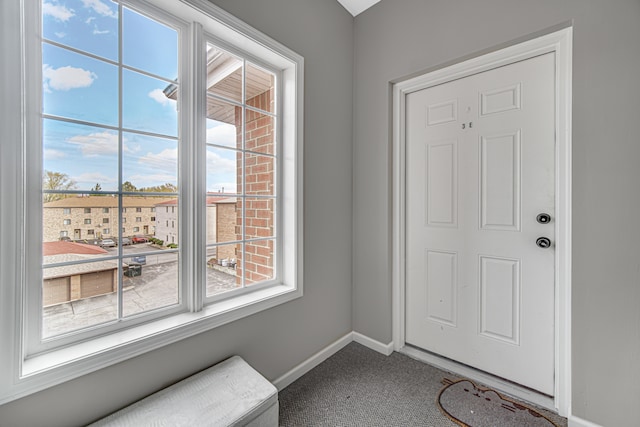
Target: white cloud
{"type": "Point", "coordinates": [96, 144]}
{"type": "Point", "coordinates": [218, 164]}
{"type": "Point", "coordinates": [66, 78]}
{"type": "Point", "coordinates": [60, 35]}
{"type": "Point", "coordinates": [90, 19]}
{"type": "Point", "coordinates": [222, 135]}
{"type": "Point", "coordinates": [167, 159]}
{"type": "Point", "coordinates": [91, 178]}
{"type": "Point", "coordinates": [59, 12]}
{"type": "Point", "coordinates": [159, 96]}
{"type": "Point", "coordinates": [99, 7]}
{"type": "Point", "coordinates": [98, 32]}
{"type": "Point", "coordinates": [51, 154]}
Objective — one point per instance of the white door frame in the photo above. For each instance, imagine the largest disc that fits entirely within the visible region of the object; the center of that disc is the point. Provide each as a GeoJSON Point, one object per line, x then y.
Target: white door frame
{"type": "Point", "coordinates": [559, 42]}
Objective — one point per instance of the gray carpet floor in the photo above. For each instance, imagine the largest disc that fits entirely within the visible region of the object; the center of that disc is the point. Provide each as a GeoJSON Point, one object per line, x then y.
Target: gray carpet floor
{"type": "Point", "coordinates": [360, 387]}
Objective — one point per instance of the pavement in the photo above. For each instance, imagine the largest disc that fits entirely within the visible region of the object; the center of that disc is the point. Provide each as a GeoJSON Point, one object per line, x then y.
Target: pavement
{"type": "Point", "coordinates": [157, 287]}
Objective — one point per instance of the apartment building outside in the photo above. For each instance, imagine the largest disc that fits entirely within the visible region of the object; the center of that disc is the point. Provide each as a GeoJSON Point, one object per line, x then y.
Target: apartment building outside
{"type": "Point", "coordinates": [221, 222]}
{"type": "Point", "coordinates": [96, 217]}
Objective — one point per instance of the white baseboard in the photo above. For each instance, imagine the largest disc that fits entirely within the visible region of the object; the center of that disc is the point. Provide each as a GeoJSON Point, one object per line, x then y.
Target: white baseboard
{"type": "Point", "coordinates": [385, 349]}
{"type": "Point", "coordinates": [287, 378]}
{"type": "Point", "coordinates": [579, 422]}
{"type": "Point", "coordinates": [313, 361]}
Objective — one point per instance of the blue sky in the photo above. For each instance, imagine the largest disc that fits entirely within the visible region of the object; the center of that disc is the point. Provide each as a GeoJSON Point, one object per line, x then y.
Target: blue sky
{"type": "Point", "coordinates": [80, 87]}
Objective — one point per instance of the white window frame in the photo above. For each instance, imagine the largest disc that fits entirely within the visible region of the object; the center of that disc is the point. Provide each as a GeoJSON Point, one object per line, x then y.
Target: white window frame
{"type": "Point", "coordinates": [24, 373]}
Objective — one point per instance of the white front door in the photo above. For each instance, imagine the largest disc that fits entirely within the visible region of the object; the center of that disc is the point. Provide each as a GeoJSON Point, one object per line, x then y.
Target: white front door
{"type": "Point", "coordinates": [480, 170]}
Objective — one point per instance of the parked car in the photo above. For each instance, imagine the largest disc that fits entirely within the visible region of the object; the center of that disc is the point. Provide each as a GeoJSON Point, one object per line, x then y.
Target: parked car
{"type": "Point", "coordinates": [139, 239]}
{"type": "Point", "coordinates": [140, 259]}
{"type": "Point", "coordinates": [108, 243]}
{"type": "Point", "coordinates": [126, 241]}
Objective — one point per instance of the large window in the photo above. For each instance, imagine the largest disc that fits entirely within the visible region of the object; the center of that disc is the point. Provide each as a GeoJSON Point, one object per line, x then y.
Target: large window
{"type": "Point", "coordinates": [136, 106]}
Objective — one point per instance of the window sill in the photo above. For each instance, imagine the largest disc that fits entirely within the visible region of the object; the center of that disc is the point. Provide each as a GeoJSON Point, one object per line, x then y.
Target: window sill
{"type": "Point", "coordinates": [55, 367]}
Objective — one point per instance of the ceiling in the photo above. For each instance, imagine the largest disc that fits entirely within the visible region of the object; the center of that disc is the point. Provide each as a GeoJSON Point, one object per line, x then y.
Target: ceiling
{"type": "Point", "coordinates": [357, 6]}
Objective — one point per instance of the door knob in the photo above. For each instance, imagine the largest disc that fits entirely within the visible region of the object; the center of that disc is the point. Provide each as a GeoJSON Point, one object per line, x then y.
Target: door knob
{"type": "Point", "coordinates": [543, 218]}
{"type": "Point", "coordinates": [543, 242]}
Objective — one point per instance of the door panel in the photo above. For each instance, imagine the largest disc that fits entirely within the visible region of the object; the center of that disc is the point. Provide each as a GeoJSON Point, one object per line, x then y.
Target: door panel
{"type": "Point", "coordinates": [480, 168]}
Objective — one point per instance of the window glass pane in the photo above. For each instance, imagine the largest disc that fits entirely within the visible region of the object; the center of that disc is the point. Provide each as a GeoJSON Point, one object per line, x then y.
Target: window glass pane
{"type": "Point", "coordinates": [224, 74]}
{"type": "Point", "coordinates": [77, 157]}
{"type": "Point", "coordinates": [259, 218]}
{"type": "Point", "coordinates": [91, 26]}
{"type": "Point", "coordinates": [78, 295]}
{"type": "Point", "coordinates": [259, 261]}
{"type": "Point", "coordinates": [223, 171]}
{"type": "Point", "coordinates": [259, 174]}
{"type": "Point", "coordinates": [222, 219]}
{"type": "Point", "coordinates": [150, 281]}
{"type": "Point", "coordinates": [149, 163]}
{"type": "Point", "coordinates": [259, 132]}
{"type": "Point", "coordinates": [259, 91]}
{"type": "Point", "coordinates": [79, 87]}
{"type": "Point", "coordinates": [223, 124]}
{"type": "Point", "coordinates": [166, 222]}
{"type": "Point", "coordinates": [145, 228]}
{"type": "Point", "coordinates": [149, 104]}
{"type": "Point", "coordinates": [79, 229]}
{"type": "Point", "coordinates": [149, 45]}
{"type": "Point", "coordinates": [222, 269]}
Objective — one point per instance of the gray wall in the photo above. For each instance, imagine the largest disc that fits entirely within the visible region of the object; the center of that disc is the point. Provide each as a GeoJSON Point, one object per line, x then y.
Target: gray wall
{"type": "Point", "coordinates": [278, 339]}
{"type": "Point", "coordinates": [398, 37]}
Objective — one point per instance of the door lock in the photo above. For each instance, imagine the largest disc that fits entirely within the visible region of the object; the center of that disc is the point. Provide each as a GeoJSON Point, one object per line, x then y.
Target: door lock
{"type": "Point", "coordinates": [543, 242]}
{"type": "Point", "coordinates": [543, 218]}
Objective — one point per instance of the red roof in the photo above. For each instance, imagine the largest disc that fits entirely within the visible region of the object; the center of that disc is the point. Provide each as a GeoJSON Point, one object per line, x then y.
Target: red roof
{"type": "Point", "coordinates": [63, 247]}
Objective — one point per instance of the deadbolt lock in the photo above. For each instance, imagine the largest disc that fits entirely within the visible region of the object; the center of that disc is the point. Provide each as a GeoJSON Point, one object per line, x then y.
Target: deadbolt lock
{"type": "Point", "coordinates": [543, 218]}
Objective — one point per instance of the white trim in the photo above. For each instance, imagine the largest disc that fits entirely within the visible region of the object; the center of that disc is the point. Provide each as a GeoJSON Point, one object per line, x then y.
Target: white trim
{"type": "Point", "coordinates": [385, 349]}
{"type": "Point", "coordinates": [299, 370]}
{"type": "Point", "coordinates": [559, 42]}
{"type": "Point", "coordinates": [579, 422]}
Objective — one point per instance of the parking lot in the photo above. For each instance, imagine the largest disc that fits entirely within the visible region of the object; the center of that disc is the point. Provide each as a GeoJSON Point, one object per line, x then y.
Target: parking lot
{"type": "Point", "coordinates": [156, 287]}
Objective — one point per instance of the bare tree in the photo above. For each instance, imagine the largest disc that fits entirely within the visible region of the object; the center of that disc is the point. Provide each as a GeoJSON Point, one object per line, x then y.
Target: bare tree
{"type": "Point", "coordinates": [56, 181]}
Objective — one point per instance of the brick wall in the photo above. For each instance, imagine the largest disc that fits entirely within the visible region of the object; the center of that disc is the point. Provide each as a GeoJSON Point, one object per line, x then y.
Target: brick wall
{"type": "Point", "coordinates": [54, 217]}
{"type": "Point", "coordinates": [226, 230]}
{"type": "Point", "coordinates": [259, 180]}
